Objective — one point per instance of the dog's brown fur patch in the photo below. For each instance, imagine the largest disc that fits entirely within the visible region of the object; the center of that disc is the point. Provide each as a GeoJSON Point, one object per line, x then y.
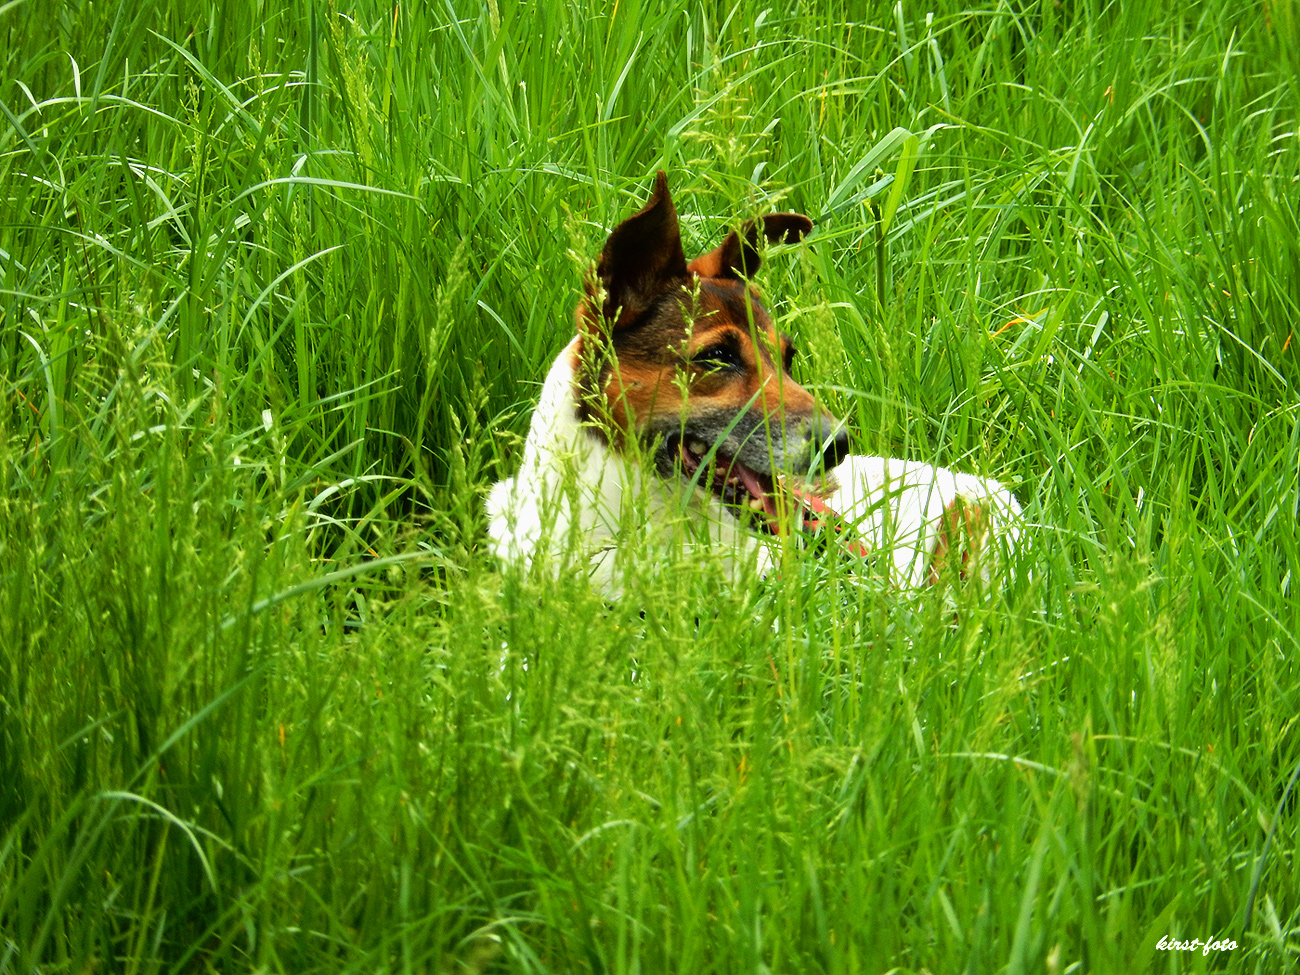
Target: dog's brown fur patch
{"type": "Point", "coordinates": [962, 529]}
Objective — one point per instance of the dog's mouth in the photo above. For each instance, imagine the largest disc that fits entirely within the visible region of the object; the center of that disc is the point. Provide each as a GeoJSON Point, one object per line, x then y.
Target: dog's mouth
{"type": "Point", "coordinates": [750, 494]}
{"type": "Point", "coordinates": [756, 498]}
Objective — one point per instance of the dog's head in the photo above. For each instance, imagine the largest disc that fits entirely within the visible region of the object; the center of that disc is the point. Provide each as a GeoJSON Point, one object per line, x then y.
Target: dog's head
{"type": "Point", "coordinates": [684, 358]}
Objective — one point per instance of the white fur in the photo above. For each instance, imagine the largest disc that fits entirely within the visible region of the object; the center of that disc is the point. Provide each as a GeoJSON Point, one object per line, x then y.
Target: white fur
{"type": "Point", "coordinates": [898, 506]}
{"type": "Point", "coordinates": [576, 501]}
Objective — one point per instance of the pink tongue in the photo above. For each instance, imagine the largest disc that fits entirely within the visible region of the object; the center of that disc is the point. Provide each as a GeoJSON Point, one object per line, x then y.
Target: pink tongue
{"type": "Point", "coordinates": [817, 514]}
{"type": "Point", "coordinates": [752, 485]}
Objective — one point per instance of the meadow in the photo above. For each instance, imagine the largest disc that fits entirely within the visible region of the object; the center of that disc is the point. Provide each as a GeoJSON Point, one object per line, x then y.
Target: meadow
{"type": "Point", "coordinates": [278, 285]}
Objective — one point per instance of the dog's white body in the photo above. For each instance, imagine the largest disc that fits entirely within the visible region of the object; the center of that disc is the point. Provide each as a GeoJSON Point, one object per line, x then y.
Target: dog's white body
{"type": "Point", "coordinates": [901, 507]}
{"type": "Point", "coordinates": [578, 501]}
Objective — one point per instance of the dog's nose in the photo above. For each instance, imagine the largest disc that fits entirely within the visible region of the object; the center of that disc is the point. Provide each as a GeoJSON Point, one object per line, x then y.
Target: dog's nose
{"type": "Point", "coordinates": [834, 440]}
{"type": "Point", "coordinates": [837, 449]}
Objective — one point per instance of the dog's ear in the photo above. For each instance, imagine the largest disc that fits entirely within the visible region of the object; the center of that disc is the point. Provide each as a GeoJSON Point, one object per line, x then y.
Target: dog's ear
{"type": "Point", "coordinates": [737, 256]}
{"type": "Point", "coordinates": [641, 257]}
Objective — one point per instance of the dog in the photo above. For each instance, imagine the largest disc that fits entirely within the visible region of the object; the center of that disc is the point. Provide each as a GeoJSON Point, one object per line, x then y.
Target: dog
{"type": "Point", "coordinates": [672, 419]}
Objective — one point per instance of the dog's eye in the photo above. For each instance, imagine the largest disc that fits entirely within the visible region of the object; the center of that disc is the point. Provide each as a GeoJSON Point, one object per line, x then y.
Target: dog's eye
{"type": "Point", "coordinates": [716, 357]}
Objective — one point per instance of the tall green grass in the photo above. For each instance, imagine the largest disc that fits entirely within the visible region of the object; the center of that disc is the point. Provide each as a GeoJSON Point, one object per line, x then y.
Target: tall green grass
{"type": "Point", "coordinates": [277, 284]}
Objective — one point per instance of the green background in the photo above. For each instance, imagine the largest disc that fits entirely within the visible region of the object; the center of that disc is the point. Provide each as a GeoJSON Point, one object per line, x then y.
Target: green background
{"type": "Point", "coordinates": [277, 286]}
